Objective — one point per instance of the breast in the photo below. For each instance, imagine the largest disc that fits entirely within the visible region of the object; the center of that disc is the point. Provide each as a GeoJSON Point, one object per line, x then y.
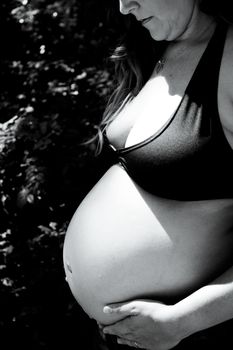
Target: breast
{"type": "Point", "coordinates": [123, 243]}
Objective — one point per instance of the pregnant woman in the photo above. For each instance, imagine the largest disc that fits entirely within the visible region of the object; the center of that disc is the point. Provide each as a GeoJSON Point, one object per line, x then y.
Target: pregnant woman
{"type": "Point", "coordinates": [149, 252]}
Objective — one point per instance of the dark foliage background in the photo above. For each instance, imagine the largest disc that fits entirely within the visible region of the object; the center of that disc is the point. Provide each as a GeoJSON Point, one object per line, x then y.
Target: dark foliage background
{"type": "Point", "coordinates": [54, 82]}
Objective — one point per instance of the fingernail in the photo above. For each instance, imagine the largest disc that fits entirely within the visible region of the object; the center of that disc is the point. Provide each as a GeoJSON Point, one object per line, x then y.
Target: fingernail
{"type": "Point", "coordinates": [107, 310]}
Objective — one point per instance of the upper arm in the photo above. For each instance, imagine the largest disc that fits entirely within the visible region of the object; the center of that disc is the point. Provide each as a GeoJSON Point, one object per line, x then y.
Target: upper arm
{"type": "Point", "coordinates": [225, 92]}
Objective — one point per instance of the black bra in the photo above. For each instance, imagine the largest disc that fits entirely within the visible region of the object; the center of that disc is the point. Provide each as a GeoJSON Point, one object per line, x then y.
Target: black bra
{"type": "Point", "coordinates": [189, 158]}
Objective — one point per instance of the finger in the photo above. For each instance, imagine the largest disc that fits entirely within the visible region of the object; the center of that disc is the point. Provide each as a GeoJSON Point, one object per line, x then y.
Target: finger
{"type": "Point", "coordinates": [126, 309]}
{"type": "Point", "coordinates": [120, 328]}
{"type": "Point", "coordinates": [123, 328]}
{"type": "Point", "coordinates": [100, 325]}
{"type": "Point", "coordinates": [113, 331]}
{"type": "Point", "coordinates": [133, 344]}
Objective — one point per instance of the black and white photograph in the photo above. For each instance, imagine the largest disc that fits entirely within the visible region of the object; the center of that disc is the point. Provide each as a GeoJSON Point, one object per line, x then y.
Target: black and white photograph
{"type": "Point", "coordinates": [116, 176]}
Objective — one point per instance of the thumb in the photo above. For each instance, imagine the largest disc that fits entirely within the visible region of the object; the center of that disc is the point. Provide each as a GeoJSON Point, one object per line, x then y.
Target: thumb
{"type": "Point", "coordinates": [126, 309]}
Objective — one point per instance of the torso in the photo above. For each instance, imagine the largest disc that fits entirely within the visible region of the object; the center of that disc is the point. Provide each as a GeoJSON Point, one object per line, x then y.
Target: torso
{"type": "Point", "coordinates": [125, 243]}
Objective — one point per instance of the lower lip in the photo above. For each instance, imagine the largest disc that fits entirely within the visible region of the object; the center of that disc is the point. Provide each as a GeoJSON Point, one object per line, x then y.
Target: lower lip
{"type": "Point", "coordinates": [146, 20]}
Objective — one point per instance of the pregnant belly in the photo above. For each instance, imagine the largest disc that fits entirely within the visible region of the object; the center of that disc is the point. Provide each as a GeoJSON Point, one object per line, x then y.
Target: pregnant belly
{"type": "Point", "coordinates": [124, 243]}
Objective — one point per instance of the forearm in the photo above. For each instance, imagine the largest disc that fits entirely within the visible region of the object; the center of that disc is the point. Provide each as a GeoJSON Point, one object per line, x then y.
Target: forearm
{"type": "Point", "coordinates": [208, 306]}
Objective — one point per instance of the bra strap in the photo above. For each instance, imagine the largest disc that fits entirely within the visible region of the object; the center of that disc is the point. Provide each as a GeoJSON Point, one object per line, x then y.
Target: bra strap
{"type": "Point", "coordinates": [205, 78]}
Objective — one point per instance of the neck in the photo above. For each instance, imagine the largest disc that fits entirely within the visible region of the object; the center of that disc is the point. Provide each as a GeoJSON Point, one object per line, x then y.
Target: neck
{"type": "Point", "coordinates": [198, 32]}
{"type": "Point", "coordinates": [198, 27]}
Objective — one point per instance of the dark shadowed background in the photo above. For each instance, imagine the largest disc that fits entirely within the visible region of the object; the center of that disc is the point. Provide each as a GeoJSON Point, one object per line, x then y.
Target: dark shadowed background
{"type": "Point", "coordinates": [54, 83]}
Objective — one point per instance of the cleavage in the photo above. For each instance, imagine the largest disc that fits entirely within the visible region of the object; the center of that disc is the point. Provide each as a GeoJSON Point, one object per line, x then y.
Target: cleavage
{"type": "Point", "coordinates": [145, 115]}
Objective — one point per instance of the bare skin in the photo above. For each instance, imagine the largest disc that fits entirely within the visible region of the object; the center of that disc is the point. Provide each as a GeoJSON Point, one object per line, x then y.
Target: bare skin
{"type": "Point", "coordinates": [155, 326]}
{"type": "Point", "coordinates": [148, 246]}
{"type": "Point", "coordinates": [151, 324]}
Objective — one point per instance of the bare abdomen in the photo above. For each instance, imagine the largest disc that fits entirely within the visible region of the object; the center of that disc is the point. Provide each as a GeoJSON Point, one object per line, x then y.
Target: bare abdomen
{"type": "Point", "coordinates": [124, 243]}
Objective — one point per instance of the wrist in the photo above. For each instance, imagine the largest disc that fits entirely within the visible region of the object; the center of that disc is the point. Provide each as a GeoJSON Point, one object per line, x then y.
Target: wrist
{"type": "Point", "coordinates": [176, 322]}
{"type": "Point", "coordinates": [184, 321]}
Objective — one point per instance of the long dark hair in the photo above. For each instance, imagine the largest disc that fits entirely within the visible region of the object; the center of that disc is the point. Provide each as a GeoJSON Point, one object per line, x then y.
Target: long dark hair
{"type": "Point", "coordinates": [134, 59]}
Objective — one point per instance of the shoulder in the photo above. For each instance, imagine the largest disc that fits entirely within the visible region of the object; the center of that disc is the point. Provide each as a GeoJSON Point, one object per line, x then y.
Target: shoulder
{"type": "Point", "coordinates": [225, 94]}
